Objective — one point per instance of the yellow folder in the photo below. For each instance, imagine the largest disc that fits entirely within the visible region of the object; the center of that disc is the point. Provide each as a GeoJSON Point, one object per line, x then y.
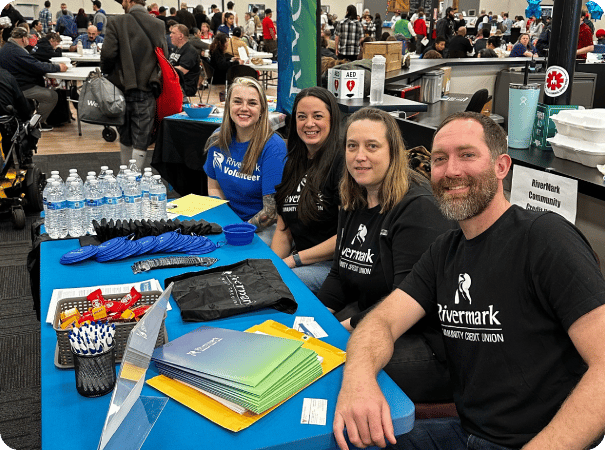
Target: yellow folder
{"type": "Point", "coordinates": [225, 417]}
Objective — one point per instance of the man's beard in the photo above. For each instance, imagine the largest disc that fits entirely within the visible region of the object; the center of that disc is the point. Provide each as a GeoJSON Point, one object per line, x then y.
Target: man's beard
{"type": "Point", "coordinates": [482, 190]}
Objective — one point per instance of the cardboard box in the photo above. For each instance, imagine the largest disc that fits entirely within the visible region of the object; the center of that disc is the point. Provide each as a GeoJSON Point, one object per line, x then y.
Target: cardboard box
{"type": "Point", "coordinates": [389, 49]}
{"type": "Point", "coordinates": [393, 65]}
{"type": "Point", "coordinates": [544, 127]}
{"type": "Point", "coordinates": [447, 78]}
{"type": "Point", "coordinates": [346, 83]}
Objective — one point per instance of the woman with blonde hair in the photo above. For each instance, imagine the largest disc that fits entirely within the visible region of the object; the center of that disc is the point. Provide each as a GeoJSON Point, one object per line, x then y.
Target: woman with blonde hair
{"type": "Point", "coordinates": [388, 219]}
{"type": "Point", "coordinates": [245, 158]}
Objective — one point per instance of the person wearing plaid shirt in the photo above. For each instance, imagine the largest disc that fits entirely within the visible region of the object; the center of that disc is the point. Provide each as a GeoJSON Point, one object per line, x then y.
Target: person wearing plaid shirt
{"type": "Point", "coordinates": [46, 18]}
{"type": "Point", "coordinates": [348, 33]}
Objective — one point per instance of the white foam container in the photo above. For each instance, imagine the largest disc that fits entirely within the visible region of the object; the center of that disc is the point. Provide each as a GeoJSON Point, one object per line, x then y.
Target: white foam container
{"type": "Point", "coordinates": [584, 152]}
{"type": "Point", "coordinates": [586, 124]}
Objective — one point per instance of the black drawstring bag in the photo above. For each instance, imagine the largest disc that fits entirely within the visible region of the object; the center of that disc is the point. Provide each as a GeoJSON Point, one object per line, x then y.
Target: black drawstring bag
{"type": "Point", "coordinates": [229, 290]}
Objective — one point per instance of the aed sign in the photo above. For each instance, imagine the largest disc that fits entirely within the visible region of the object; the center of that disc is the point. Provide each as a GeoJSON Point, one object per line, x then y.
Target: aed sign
{"type": "Point", "coordinates": [536, 190]}
{"type": "Point", "coordinates": [346, 83]}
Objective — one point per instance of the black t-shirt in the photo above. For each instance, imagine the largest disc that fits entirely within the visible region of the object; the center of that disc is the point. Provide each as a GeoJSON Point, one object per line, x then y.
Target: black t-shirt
{"type": "Point", "coordinates": [459, 46]}
{"type": "Point", "coordinates": [188, 58]}
{"type": "Point", "coordinates": [375, 251]}
{"type": "Point", "coordinates": [309, 236]}
{"type": "Point", "coordinates": [505, 300]}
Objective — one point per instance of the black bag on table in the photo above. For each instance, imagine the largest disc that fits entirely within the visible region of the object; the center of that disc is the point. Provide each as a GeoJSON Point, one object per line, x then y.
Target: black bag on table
{"type": "Point", "coordinates": [229, 290]}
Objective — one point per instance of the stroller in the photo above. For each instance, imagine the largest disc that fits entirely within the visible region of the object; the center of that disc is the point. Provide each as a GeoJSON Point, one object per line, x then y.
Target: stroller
{"type": "Point", "coordinates": [21, 182]}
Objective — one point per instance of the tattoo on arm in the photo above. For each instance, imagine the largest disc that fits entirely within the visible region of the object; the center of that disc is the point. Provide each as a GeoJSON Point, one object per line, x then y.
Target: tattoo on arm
{"type": "Point", "coordinates": [266, 216]}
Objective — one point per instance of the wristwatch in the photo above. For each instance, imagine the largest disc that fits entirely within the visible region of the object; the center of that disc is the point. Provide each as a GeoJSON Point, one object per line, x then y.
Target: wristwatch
{"type": "Point", "coordinates": [297, 260]}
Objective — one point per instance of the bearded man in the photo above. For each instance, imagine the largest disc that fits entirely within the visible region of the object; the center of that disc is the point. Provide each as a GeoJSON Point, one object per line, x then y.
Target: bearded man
{"type": "Point", "coordinates": [519, 295]}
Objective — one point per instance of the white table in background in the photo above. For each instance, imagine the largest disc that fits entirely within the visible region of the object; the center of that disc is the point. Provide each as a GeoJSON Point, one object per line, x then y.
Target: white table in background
{"type": "Point", "coordinates": [85, 58]}
{"type": "Point", "coordinates": [266, 72]}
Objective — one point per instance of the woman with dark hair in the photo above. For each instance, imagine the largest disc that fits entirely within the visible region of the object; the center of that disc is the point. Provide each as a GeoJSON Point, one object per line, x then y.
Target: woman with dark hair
{"type": "Point", "coordinates": [307, 198]}
{"type": "Point", "coordinates": [347, 34]}
{"type": "Point", "coordinates": [245, 158]}
{"type": "Point", "coordinates": [82, 21]}
{"type": "Point", "coordinates": [388, 219]}
{"type": "Point", "coordinates": [378, 26]}
{"type": "Point", "coordinates": [523, 47]}
{"type": "Point", "coordinates": [219, 60]}
{"type": "Point", "coordinates": [236, 42]}
{"type": "Point", "coordinates": [227, 26]}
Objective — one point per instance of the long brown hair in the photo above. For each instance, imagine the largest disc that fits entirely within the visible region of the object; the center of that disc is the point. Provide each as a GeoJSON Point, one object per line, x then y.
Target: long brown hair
{"type": "Point", "coordinates": [396, 181]}
{"type": "Point", "coordinates": [262, 129]}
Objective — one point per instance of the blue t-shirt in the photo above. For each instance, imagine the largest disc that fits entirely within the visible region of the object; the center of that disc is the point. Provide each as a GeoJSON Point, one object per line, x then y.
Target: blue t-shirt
{"type": "Point", "coordinates": [245, 192]}
{"type": "Point", "coordinates": [86, 43]}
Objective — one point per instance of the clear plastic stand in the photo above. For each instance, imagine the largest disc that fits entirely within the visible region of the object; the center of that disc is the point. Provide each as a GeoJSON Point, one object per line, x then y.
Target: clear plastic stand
{"type": "Point", "coordinates": [130, 416]}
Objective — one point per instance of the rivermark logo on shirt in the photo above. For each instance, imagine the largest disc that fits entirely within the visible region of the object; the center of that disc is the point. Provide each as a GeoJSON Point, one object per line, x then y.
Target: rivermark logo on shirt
{"type": "Point", "coordinates": [458, 322]}
{"type": "Point", "coordinates": [464, 284]}
{"type": "Point", "coordinates": [237, 290]}
{"type": "Point", "coordinates": [217, 161]}
{"type": "Point", "coordinates": [362, 231]}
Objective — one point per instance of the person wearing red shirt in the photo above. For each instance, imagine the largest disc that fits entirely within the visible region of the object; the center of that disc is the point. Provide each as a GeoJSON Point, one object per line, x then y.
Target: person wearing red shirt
{"type": "Point", "coordinates": [269, 33]}
{"type": "Point", "coordinates": [420, 30]}
{"type": "Point", "coordinates": [585, 42]}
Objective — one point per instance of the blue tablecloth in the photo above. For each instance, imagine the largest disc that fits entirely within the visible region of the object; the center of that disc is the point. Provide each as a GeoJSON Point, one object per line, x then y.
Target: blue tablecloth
{"type": "Point", "coordinates": [71, 420]}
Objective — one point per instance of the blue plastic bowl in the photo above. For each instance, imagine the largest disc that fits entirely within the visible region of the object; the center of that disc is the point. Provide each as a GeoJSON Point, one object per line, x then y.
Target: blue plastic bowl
{"type": "Point", "coordinates": [197, 113]}
{"type": "Point", "coordinates": [239, 233]}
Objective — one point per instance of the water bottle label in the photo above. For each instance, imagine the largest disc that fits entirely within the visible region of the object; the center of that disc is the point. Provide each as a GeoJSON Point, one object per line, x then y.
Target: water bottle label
{"type": "Point", "coordinates": [145, 194]}
{"type": "Point", "coordinates": [94, 202]}
{"type": "Point", "coordinates": [157, 197]}
{"type": "Point", "coordinates": [53, 206]}
{"type": "Point", "coordinates": [75, 204]}
{"type": "Point", "coordinates": [112, 200]}
{"type": "Point", "coordinates": [133, 198]}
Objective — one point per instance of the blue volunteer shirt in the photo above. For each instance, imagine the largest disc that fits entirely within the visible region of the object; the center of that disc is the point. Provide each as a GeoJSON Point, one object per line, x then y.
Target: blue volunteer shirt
{"type": "Point", "coordinates": [245, 192]}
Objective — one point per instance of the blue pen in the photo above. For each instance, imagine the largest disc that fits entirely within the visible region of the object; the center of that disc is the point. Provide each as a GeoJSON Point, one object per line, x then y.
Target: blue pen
{"type": "Point", "coordinates": [306, 330]}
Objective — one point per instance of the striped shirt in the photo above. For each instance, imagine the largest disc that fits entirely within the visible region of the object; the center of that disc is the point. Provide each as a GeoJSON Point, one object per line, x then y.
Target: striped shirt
{"type": "Point", "coordinates": [46, 18]}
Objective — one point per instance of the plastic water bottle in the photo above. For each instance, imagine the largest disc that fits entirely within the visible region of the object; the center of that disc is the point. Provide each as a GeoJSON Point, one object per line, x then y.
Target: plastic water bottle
{"type": "Point", "coordinates": [45, 199]}
{"type": "Point", "coordinates": [108, 174]}
{"type": "Point", "coordinates": [93, 47]}
{"type": "Point", "coordinates": [91, 174]}
{"type": "Point", "coordinates": [377, 83]}
{"type": "Point", "coordinates": [146, 180]}
{"type": "Point", "coordinates": [157, 199]}
{"type": "Point", "coordinates": [56, 220]}
{"type": "Point", "coordinates": [80, 48]}
{"type": "Point", "coordinates": [76, 209]}
{"type": "Point", "coordinates": [133, 199]}
{"type": "Point", "coordinates": [74, 174]}
{"type": "Point", "coordinates": [135, 169]}
{"type": "Point", "coordinates": [113, 199]}
{"type": "Point", "coordinates": [95, 203]}
{"type": "Point", "coordinates": [121, 176]}
{"type": "Point", "coordinates": [102, 173]}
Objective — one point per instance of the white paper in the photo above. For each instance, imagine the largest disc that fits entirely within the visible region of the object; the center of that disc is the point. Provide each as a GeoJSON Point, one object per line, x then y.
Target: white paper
{"type": "Point", "coordinates": [543, 191]}
{"type": "Point", "coordinates": [59, 294]}
{"type": "Point", "coordinates": [314, 411]}
{"type": "Point", "coordinates": [311, 325]}
{"type": "Point", "coordinates": [242, 53]}
{"type": "Point", "coordinates": [232, 406]}
{"type": "Point", "coordinates": [425, 41]}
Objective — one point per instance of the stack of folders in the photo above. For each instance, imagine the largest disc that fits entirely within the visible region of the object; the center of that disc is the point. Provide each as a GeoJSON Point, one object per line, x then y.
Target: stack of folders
{"type": "Point", "coordinates": [254, 371]}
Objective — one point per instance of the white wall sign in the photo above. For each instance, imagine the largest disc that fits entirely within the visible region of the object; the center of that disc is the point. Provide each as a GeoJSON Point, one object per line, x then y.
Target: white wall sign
{"type": "Point", "coordinates": [536, 190]}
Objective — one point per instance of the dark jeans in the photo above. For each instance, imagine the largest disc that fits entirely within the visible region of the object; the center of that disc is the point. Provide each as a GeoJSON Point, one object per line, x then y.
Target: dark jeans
{"type": "Point", "coordinates": [442, 434]}
{"type": "Point", "coordinates": [138, 123]}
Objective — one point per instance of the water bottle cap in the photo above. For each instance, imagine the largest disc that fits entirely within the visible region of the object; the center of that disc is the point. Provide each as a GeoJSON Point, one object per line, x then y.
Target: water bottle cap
{"type": "Point", "coordinates": [73, 170]}
{"type": "Point", "coordinates": [147, 169]}
{"type": "Point", "coordinates": [132, 161]}
{"type": "Point", "coordinates": [157, 177]}
{"type": "Point", "coordinates": [379, 59]}
{"type": "Point", "coordinates": [109, 172]}
{"type": "Point", "coordinates": [91, 173]}
{"type": "Point", "coordinates": [90, 178]}
{"type": "Point", "coordinates": [54, 172]}
{"type": "Point", "coordinates": [104, 167]}
{"type": "Point", "coordinates": [123, 167]}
